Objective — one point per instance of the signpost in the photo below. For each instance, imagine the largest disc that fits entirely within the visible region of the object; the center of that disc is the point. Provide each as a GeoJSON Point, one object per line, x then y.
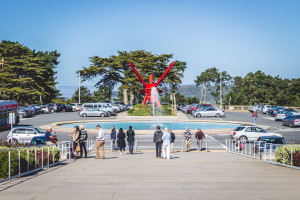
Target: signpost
{"type": "Point", "coordinates": [12, 121]}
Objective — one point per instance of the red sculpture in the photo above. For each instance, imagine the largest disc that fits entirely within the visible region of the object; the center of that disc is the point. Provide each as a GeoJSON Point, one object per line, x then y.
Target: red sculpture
{"type": "Point", "coordinates": [148, 87]}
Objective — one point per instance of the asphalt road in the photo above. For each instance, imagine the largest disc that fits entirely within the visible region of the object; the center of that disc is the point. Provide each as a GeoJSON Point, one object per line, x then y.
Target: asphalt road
{"type": "Point", "coordinates": [291, 135]}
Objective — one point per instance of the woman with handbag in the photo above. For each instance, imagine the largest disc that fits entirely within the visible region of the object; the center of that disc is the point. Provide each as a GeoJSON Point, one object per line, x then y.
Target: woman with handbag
{"type": "Point", "coordinates": [75, 138]}
{"type": "Point", "coordinates": [121, 141]}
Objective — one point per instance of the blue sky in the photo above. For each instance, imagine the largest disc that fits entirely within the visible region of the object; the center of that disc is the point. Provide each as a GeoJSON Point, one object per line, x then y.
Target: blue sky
{"type": "Point", "coordinates": [236, 36]}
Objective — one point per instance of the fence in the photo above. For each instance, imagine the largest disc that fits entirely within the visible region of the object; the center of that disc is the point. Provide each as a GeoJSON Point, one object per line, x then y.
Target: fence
{"type": "Point", "coordinates": [179, 145]}
{"type": "Point", "coordinates": [284, 155]}
{"type": "Point", "coordinates": [17, 162]}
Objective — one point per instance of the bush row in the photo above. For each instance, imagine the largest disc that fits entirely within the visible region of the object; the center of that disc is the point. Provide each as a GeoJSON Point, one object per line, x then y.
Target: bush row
{"type": "Point", "coordinates": [14, 160]}
{"type": "Point", "coordinates": [139, 110]}
{"type": "Point", "coordinates": [284, 153]}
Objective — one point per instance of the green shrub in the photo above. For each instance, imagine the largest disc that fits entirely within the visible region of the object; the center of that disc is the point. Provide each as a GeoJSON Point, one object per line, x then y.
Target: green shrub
{"type": "Point", "coordinates": [130, 111]}
{"type": "Point", "coordinates": [284, 153]}
{"type": "Point", "coordinates": [14, 160]}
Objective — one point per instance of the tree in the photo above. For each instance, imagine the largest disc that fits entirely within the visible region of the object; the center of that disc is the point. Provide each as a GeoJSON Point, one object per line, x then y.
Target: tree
{"type": "Point", "coordinates": [191, 100]}
{"type": "Point", "coordinates": [27, 75]}
{"type": "Point", "coordinates": [115, 69]}
{"type": "Point", "coordinates": [85, 95]}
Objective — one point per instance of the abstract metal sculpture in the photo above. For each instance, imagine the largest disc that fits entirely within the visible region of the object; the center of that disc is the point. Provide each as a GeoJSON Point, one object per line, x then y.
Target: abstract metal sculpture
{"type": "Point", "coordinates": [148, 87]}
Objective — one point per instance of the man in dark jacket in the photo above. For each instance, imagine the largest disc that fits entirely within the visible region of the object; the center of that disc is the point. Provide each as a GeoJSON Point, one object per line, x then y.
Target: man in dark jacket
{"type": "Point", "coordinates": [82, 139]}
{"type": "Point", "coordinates": [172, 141]}
{"type": "Point", "coordinates": [130, 139]}
{"type": "Point", "coordinates": [157, 140]}
{"type": "Point", "coordinates": [113, 136]}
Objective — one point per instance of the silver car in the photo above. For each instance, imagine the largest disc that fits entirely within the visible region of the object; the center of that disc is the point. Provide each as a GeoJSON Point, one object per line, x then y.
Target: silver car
{"type": "Point", "coordinates": [23, 134]}
{"type": "Point", "coordinates": [210, 112]}
{"type": "Point", "coordinates": [281, 115]}
{"type": "Point", "coordinates": [291, 121]}
{"type": "Point", "coordinates": [93, 112]}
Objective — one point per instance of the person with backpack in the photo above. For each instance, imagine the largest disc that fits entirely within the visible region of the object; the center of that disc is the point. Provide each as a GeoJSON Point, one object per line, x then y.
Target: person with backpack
{"type": "Point", "coordinates": [157, 141]}
{"type": "Point", "coordinates": [130, 139]}
{"type": "Point", "coordinates": [121, 141]}
{"type": "Point", "coordinates": [199, 137]}
{"type": "Point", "coordinates": [82, 140]}
{"type": "Point", "coordinates": [172, 141]}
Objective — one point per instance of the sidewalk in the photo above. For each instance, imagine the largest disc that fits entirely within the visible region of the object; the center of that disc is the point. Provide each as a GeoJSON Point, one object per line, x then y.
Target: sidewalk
{"type": "Point", "coordinates": [141, 176]}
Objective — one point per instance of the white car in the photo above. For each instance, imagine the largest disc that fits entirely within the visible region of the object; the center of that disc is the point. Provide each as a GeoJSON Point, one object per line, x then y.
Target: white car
{"type": "Point", "coordinates": [209, 112]}
{"type": "Point", "coordinates": [23, 134]}
{"type": "Point", "coordinates": [75, 106]}
{"type": "Point", "coordinates": [248, 132]}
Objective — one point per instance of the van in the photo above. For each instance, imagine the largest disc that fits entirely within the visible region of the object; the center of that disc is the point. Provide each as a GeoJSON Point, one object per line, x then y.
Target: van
{"type": "Point", "coordinates": [102, 106]}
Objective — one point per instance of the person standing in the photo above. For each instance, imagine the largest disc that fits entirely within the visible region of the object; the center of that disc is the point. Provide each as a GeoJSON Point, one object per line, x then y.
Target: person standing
{"type": "Point", "coordinates": [82, 140]}
{"type": "Point", "coordinates": [187, 137]}
{"type": "Point", "coordinates": [130, 139]}
{"type": "Point", "coordinates": [121, 141]}
{"type": "Point", "coordinates": [75, 137]}
{"type": "Point", "coordinates": [166, 143]}
{"type": "Point", "coordinates": [200, 137]}
{"type": "Point", "coordinates": [254, 116]}
{"type": "Point", "coordinates": [157, 140]}
{"type": "Point", "coordinates": [100, 143]}
{"type": "Point", "coordinates": [172, 141]}
{"type": "Point", "coordinates": [113, 136]}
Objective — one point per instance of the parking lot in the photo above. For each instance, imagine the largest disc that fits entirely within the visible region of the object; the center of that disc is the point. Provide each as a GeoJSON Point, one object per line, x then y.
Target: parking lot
{"type": "Point", "coordinates": [291, 135]}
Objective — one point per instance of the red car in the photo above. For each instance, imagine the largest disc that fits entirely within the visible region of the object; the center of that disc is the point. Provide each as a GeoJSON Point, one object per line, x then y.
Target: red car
{"type": "Point", "coordinates": [198, 106]}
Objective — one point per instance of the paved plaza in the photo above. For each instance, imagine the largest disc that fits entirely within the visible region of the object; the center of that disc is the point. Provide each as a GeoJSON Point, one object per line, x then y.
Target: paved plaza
{"type": "Point", "coordinates": [193, 175]}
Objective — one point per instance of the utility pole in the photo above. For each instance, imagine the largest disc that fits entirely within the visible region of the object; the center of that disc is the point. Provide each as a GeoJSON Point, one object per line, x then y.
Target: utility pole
{"type": "Point", "coordinates": [79, 89]}
{"type": "Point", "coordinates": [220, 90]}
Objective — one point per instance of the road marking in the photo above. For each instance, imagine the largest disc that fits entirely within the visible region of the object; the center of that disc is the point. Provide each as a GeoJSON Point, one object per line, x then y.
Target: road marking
{"type": "Point", "coordinates": [269, 118]}
{"type": "Point", "coordinates": [287, 130]}
{"type": "Point", "coordinates": [215, 140]}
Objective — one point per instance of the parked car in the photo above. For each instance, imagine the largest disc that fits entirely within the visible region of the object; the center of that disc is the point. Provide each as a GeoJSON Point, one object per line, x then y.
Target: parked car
{"type": "Point", "coordinates": [248, 132]}
{"type": "Point", "coordinates": [24, 112]}
{"type": "Point", "coordinates": [291, 121]}
{"type": "Point", "coordinates": [265, 142]}
{"type": "Point", "coordinates": [265, 108]}
{"type": "Point", "coordinates": [210, 112]}
{"type": "Point", "coordinates": [102, 106]}
{"type": "Point", "coordinates": [254, 108]}
{"type": "Point", "coordinates": [23, 134]}
{"type": "Point", "coordinates": [45, 109]}
{"type": "Point", "coordinates": [37, 141]}
{"type": "Point", "coordinates": [281, 115]}
{"type": "Point", "coordinates": [38, 108]}
{"type": "Point", "coordinates": [93, 112]}
{"type": "Point", "coordinates": [66, 108]}
{"type": "Point", "coordinates": [292, 111]}
{"type": "Point", "coordinates": [76, 106]}
{"type": "Point", "coordinates": [54, 107]}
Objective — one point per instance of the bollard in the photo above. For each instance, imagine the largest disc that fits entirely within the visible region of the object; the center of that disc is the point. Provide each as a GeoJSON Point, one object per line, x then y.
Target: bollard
{"type": "Point", "coordinates": [181, 145]}
{"type": "Point", "coordinates": [206, 146]}
{"type": "Point", "coordinates": [111, 146]}
{"type": "Point", "coordinates": [291, 155]}
{"type": "Point", "coordinates": [19, 161]}
{"type": "Point", "coordinates": [135, 146]}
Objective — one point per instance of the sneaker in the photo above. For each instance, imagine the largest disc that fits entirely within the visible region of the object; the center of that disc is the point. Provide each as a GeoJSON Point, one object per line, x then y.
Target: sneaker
{"type": "Point", "coordinates": [96, 158]}
{"type": "Point", "coordinates": [120, 153]}
{"type": "Point", "coordinates": [124, 153]}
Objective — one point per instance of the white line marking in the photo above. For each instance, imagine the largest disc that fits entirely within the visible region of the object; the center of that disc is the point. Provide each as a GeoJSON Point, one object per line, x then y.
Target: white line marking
{"type": "Point", "coordinates": [212, 138]}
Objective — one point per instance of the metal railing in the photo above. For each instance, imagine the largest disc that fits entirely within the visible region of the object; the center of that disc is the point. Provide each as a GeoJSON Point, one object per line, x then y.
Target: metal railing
{"type": "Point", "coordinates": [284, 155]}
{"type": "Point", "coordinates": [179, 145]}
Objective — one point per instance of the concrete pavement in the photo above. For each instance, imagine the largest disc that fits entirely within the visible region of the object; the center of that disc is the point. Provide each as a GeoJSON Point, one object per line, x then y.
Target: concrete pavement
{"type": "Point", "coordinates": [194, 175]}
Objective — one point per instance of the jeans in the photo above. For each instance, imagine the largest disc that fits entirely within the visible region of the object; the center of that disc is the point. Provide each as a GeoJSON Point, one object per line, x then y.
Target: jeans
{"type": "Point", "coordinates": [158, 148]}
{"type": "Point", "coordinates": [254, 119]}
{"type": "Point", "coordinates": [166, 147]}
{"type": "Point", "coordinates": [82, 147]}
{"type": "Point", "coordinates": [131, 144]}
{"type": "Point", "coordinates": [199, 143]}
{"type": "Point", "coordinates": [100, 143]}
{"type": "Point", "coordinates": [114, 147]}
{"type": "Point", "coordinates": [122, 149]}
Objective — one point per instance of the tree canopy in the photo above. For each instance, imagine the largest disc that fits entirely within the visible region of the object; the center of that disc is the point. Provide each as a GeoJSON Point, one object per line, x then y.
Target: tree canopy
{"type": "Point", "coordinates": [26, 75]}
{"type": "Point", "coordinates": [115, 70]}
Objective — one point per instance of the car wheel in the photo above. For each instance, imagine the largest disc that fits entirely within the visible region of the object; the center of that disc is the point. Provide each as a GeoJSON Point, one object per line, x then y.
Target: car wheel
{"type": "Point", "coordinates": [282, 124]}
{"type": "Point", "coordinates": [198, 115]}
{"type": "Point", "coordinates": [14, 142]}
{"type": "Point", "coordinates": [291, 125]}
{"type": "Point", "coordinates": [84, 115]}
{"type": "Point", "coordinates": [243, 138]}
{"type": "Point", "coordinates": [102, 115]}
{"type": "Point", "coordinates": [218, 115]}
{"type": "Point", "coordinates": [21, 115]}
{"type": "Point", "coordinates": [52, 110]}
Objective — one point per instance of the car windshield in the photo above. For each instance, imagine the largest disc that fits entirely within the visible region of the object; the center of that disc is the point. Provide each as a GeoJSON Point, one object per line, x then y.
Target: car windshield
{"type": "Point", "coordinates": [38, 130]}
{"type": "Point", "coordinates": [273, 140]}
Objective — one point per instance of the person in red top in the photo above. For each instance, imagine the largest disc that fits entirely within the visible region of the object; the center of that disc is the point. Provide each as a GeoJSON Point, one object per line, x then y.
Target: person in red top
{"type": "Point", "coordinates": [254, 116]}
{"type": "Point", "coordinates": [200, 137]}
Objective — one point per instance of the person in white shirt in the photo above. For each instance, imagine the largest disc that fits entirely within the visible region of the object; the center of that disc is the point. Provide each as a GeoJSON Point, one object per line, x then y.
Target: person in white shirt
{"type": "Point", "coordinates": [100, 143]}
{"type": "Point", "coordinates": [166, 143]}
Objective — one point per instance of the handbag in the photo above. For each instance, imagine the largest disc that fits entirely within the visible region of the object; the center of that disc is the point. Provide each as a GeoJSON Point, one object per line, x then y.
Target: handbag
{"type": "Point", "coordinates": [78, 148]}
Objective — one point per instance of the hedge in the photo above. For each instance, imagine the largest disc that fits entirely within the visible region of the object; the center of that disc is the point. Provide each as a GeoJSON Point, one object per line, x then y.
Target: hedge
{"type": "Point", "coordinates": [14, 160]}
{"type": "Point", "coordinates": [285, 152]}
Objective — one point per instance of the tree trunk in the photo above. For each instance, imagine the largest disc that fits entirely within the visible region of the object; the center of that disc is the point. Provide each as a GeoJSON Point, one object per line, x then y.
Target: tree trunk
{"type": "Point", "coordinates": [131, 95]}
{"type": "Point", "coordinates": [201, 95]}
{"type": "Point", "coordinates": [175, 105]}
{"type": "Point", "coordinates": [204, 94]}
{"type": "Point", "coordinates": [125, 96]}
